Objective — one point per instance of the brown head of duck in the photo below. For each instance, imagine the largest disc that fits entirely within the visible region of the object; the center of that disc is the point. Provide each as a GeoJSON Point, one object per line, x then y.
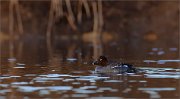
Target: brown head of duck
{"type": "Point", "coordinates": [101, 61]}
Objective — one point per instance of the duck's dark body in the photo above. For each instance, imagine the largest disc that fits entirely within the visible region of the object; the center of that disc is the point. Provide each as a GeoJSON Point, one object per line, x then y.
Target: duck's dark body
{"type": "Point", "coordinates": [102, 66]}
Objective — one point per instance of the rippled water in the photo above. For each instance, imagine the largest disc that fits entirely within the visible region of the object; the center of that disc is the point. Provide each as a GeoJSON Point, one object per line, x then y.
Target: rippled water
{"type": "Point", "coordinates": [30, 70]}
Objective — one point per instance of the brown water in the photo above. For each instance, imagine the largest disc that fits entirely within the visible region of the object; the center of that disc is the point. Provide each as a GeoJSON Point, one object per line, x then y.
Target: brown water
{"type": "Point", "coordinates": [63, 69]}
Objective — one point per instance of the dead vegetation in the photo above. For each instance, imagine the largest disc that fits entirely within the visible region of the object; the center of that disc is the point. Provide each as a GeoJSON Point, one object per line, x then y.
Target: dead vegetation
{"type": "Point", "coordinates": [57, 12]}
{"type": "Point", "coordinates": [14, 4]}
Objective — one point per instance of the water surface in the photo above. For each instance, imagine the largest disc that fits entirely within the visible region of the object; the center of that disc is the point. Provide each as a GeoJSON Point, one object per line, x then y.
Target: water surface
{"type": "Point", "coordinates": [34, 69]}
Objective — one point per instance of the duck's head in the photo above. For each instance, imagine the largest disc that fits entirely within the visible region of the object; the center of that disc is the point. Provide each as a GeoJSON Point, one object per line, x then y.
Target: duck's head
{"type": "Point", "coordinates": [101, 61]}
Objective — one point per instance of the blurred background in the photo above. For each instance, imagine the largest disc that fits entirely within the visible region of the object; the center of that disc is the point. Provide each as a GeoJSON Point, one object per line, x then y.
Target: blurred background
{"type": "Point", "coordinates": [134, 24]}
{"type": "Point", "coordinates": [47, 47]}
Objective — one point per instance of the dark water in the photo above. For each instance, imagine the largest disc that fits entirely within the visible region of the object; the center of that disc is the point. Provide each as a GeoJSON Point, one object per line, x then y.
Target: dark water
{"type": "Point", "coordinates": [63, 69]}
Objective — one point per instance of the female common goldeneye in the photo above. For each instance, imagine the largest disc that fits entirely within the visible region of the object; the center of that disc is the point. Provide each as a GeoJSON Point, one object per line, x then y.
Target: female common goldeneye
{"type": "Point", "coordinates": [103, 66]}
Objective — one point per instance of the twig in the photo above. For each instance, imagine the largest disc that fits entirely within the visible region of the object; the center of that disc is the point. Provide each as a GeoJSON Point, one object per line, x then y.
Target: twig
{"type": "Point", "coordinates": [50, 22]}
{"type": "Point", "coordinates": [79, 15]}
{"type": "Point", "coordinates": [71, 22]}
{"type": "Point", "coordinates": [86, 6]}
{"type": "Point", "coordinates": [60, 8]}
{"type": "Point", "coordinates": [20, 25]}
{"type": "Point", "coordinates": [100, 16]}
{"type": "Point", "coordinates": [70, 12]}
{"type": "Point", "coordinates": [95, 26]}
{"type": "Point", "coordinates": [70, 15]}
{"type": "Point", "coordinates": [11, 18]}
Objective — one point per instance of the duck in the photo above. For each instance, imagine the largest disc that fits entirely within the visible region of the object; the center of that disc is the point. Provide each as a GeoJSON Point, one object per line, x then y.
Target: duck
{"type": "Point", "coordinates": [103, 66]}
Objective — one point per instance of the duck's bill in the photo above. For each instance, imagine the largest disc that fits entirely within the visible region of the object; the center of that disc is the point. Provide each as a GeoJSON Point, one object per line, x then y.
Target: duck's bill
{"type": "Point", "coordinates": [95, 63]}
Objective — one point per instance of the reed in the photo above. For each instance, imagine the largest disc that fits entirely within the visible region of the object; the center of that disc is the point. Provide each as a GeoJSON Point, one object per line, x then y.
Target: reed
{"type": "Point", "coordinates": [87, 9]}
{"type": "Point", "coordinates": [100, 15]}
{"type": "Point", "coordinates": [95, 12]}
{"type": "Point", "coordinates": [97, 29]}
{"type": "Point", "coordinates": [15, 4]}
{"type": "Point", "coordinates": [57, 11]}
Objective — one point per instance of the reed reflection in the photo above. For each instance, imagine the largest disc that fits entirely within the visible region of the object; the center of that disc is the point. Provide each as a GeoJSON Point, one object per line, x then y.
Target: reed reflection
{"type": "Point", "coordinates": [54, 60]}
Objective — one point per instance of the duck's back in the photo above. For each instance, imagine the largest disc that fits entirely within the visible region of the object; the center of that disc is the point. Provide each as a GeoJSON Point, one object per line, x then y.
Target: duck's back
{"type": "Point", "coordinates": [115, 68]}
{"type": "Point", "coordinates": [104, 66]}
